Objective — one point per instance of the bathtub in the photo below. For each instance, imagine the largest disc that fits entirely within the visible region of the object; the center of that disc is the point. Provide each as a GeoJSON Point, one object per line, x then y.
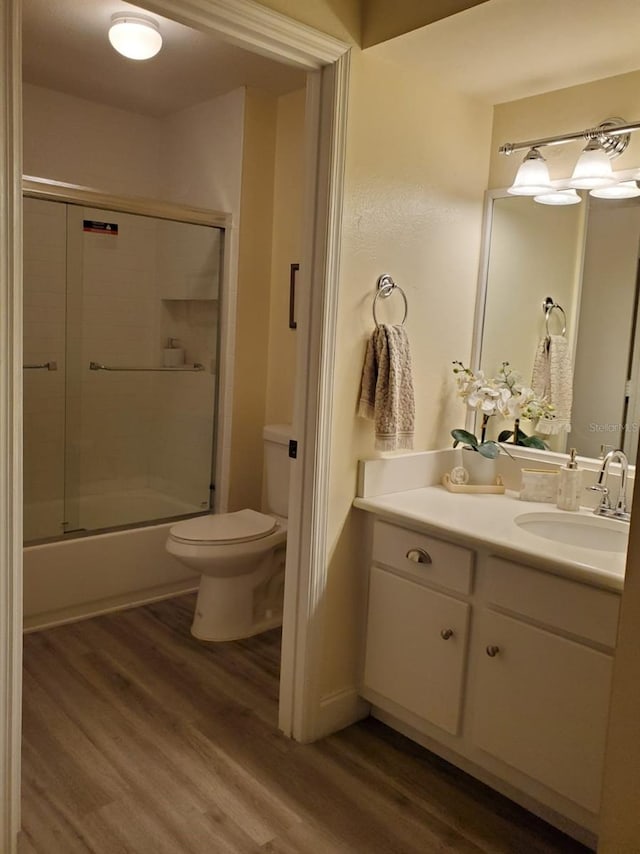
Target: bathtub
{"type": "Point", "coordinates": [73, 579]}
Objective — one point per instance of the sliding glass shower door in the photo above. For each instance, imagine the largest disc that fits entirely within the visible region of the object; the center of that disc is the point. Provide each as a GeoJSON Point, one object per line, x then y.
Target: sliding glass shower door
{"type": "Point", "coordinates": [130, 409]}
{"type": "Point", "coordinates": [44, 341]}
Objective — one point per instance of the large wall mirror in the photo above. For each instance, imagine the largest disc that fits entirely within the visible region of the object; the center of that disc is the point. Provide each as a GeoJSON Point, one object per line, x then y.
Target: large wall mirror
{"type": "Point", "coordinates": [585, 257]}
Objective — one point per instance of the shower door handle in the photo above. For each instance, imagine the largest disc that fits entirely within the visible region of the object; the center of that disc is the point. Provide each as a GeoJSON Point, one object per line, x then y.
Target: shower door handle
{"type": "Point", "coordinates": [98, 366]}
{"type": "Point", "coordinates": [45, 366]}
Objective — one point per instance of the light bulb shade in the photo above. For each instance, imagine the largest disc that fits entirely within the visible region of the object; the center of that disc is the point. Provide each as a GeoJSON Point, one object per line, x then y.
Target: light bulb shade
{"type": "Point", "coordinates": [623, 190]}
{"type": "Point", "coordinates": [593, 169]}
{"type": "Point", "coordinates": [558, 197]}
{"type": "Point", "coordinates": [532, 177]}
{"type": "Point", "coordinates": [135, 36]}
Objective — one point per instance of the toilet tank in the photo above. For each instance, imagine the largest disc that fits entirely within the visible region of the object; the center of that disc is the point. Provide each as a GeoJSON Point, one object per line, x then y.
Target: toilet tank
{"type": "Point", "coordinates": [276, 467]}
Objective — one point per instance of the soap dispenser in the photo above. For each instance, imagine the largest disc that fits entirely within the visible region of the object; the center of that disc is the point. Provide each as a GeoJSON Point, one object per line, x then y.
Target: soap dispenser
{"type": "Point", "coordinates": [570, 484]}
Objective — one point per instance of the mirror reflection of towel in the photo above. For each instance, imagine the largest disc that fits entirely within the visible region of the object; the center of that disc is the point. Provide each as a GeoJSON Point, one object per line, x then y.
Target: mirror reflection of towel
{"type": "Point", "coordinates": [553, 379]}
{"type": "Point", "coordinates": [386, 391]}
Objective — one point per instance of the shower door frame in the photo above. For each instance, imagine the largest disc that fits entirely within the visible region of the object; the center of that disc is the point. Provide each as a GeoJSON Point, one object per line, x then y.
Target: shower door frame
{"type": "Point", "coordinates": [74, 194]}
{"type": "Point", "coordinates": [326, 59]}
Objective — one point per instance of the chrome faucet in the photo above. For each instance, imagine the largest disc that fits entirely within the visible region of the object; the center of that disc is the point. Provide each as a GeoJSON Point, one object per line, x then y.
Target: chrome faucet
{"type": "Point", "coordinates": [605, 507]}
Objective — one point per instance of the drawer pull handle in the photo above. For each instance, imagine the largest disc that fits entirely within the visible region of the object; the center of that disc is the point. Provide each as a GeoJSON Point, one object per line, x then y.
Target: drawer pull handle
{"type": "Point", "coordinates": [419, 556]}
{"type": "Point", "coordinates": [445, 634]}
{"type": "Point", "coordinates": [492, 651]}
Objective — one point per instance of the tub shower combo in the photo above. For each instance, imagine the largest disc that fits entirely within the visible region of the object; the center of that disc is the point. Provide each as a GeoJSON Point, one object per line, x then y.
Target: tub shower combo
{"type": "Point", "coordinates": [121, 335]}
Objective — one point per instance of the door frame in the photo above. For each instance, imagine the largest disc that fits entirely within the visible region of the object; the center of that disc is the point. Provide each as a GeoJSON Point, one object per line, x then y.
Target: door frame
{"type": "Point", "coordinates": [269, 33]}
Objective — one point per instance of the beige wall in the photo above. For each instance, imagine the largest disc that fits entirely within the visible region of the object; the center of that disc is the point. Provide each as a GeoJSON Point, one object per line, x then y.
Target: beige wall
{"type": "Point", "coordinates": [286, 248]}
{"type": "Point", "coordinates": [413, 208]}
{"type": "Point", "coordinates": [382, 20]}
{"type": "Point", "coordinates": [252, 327]}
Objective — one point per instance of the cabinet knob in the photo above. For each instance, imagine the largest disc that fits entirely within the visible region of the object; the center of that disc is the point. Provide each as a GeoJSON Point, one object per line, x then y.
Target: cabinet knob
{"type": "Point", "coordinates": [445, 634]}
{"type": "Point", "coordinates": [492, 651]}
{"type": "Point", "coordinates": [418, 556]}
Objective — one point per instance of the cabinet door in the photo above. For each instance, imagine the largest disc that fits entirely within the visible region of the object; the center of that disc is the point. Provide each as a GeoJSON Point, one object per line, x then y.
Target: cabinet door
{"type": "Point", "coordinates": [541, 704]}
{"type": "Point", "coordinates": [416, 648]}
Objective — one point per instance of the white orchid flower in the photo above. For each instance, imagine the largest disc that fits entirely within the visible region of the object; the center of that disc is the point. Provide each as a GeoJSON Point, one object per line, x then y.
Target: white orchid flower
{"type": "Point", "coordinates": [509, 407]}
{"type": "Point", "coordinates": [485, 398]}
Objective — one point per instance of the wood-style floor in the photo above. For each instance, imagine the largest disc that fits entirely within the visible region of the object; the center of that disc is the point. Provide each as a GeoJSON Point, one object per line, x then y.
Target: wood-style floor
{"type": "Point", "coordinates": [140, 739]}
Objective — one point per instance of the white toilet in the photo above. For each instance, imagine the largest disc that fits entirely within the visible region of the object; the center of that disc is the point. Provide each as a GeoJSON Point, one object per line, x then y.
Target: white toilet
{"type": "Point", "coordinates": [241, 555]}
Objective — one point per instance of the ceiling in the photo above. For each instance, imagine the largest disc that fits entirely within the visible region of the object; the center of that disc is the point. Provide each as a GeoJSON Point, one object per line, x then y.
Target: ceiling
{"type": "Point", "coordinates": [503, 50]}
{"type": "Point", "coordinates": [65, 47]}
{"type": "Point", "coordinates": [498, 50]}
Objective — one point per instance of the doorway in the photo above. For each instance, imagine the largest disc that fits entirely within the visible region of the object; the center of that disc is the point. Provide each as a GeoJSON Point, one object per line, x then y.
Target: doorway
{"type": "Point", "coordinates": [275, 36]}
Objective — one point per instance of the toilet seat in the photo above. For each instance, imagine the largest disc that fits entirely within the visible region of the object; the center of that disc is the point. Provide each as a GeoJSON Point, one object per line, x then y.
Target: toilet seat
{"type": "Point", "coordinates": [243, 526]}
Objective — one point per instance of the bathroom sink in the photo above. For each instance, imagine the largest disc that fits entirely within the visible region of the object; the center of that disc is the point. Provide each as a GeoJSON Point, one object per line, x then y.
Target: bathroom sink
{"type": "Point", "coordinates": [588, 532]}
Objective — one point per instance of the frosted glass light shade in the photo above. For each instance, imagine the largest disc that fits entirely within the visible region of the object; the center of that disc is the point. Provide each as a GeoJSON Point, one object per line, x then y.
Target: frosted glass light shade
{"type": "Point", "coordinates": [135, 36]}
{"type": "Point", "coordinates": [623, 190]}
{"type": "Point", "coordinates": [593, 169]}
{"type": "Point", "coordinates": [558, 197]}
{"type": "Point", "coordinates": [532, 177]}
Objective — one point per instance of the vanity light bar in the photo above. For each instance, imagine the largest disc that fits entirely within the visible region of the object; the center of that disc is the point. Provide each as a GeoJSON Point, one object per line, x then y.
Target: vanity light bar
{"type": "Point", "coordinates": [613, 135]}
{"type": "Point", "coordinates": [592, 171]}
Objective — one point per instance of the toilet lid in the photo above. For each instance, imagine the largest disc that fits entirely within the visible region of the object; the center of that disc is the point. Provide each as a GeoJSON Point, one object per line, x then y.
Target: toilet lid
{"type": "Point", "coordinates": [240, 527]}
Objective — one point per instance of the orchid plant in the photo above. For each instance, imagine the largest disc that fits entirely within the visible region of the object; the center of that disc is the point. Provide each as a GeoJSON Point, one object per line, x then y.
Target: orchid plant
{"type": "Point", "coordinates": [504, 395]}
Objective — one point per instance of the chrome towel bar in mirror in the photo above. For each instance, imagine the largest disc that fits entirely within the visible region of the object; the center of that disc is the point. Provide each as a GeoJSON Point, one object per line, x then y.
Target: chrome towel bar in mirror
{"type": "Point", "coordinates": [548, 306]}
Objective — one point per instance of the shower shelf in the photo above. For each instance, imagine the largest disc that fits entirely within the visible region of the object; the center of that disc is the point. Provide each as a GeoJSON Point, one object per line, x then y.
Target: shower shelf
{"type": "Point", "coordinates": [96, 366]}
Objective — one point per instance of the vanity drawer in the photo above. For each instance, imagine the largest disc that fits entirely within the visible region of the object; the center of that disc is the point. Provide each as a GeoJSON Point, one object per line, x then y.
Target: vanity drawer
{"type": "Point", "coordinates": [434, 561]}
{"type": "Point", "coordinates": [559, 603]}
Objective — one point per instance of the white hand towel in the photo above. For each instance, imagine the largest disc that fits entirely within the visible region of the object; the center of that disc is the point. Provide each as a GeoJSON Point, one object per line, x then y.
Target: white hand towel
{"type": "Point", "coordinates": [553, 379]}
{"type": "Point", "coordinates": [386, 391]}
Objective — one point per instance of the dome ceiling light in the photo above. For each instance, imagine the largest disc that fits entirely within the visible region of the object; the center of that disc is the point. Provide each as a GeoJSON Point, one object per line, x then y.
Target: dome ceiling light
{"type": "Point", "coordinates": [134, 35]}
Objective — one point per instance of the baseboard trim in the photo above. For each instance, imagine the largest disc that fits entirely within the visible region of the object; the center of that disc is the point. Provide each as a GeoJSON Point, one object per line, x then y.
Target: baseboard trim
{"type": "Point", "coordinates": [75, 614]}
{"type": "Point", "coordinates": [339, 710]}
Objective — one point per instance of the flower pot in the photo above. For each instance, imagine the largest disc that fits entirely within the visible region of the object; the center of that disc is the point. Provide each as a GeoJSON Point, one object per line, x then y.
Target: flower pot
{"type": "Point", "coordinates": [482, 470]}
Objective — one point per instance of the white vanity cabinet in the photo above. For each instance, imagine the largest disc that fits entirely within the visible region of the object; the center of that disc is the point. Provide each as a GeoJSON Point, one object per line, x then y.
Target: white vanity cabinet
{"type": "Point", "coordinates": [416, 645]}
{"type": "Point", "coordinates": [542, 661]}
{"type": "Point", "coordinates": [542, 706]}
{"type": "Point", "coordinates": [501, 668]}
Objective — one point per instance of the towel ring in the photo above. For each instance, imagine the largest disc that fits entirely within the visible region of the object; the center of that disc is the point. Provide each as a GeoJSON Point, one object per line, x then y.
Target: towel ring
{"type": "Point", "coordinates": [386, 286]}
{"type": "Point", "coordinates": [548, 306]}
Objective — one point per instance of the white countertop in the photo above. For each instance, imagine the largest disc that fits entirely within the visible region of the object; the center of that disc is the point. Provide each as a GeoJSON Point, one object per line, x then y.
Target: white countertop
{"type": "Point", "coordinates": [488, 521]}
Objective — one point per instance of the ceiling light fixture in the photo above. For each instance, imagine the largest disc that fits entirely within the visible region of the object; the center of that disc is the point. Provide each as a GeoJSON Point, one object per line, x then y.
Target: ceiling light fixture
{"type": "Point", "coordinates": [135, 36]}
